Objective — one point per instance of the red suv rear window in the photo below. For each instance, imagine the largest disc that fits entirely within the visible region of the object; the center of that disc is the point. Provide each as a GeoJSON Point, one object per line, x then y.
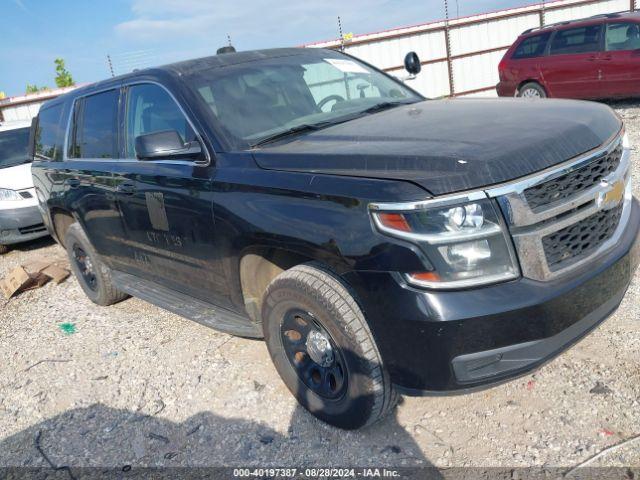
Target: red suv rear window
{"type": "Point", "coordinates": [533, 46]}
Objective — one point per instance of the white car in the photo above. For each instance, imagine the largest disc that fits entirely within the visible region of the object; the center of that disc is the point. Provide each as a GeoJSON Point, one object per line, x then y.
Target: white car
{"type": "Point", "coordinates": [20, 218]}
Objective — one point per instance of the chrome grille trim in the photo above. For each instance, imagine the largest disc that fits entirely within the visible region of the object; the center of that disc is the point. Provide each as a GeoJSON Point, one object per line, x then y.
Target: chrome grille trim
{"type": "Point", "coordinates": [528, 227]}
{"type": "Point", "coordinates": [514, 203]}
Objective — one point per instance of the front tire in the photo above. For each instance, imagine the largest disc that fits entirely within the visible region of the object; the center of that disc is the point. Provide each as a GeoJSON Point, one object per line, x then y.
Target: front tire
{"type": "Point", "coordinates": [532, 90]}
{"type": "Point", "coordinates": [323, 349]}
{"type": "Point", "coordinates": [93, 276]}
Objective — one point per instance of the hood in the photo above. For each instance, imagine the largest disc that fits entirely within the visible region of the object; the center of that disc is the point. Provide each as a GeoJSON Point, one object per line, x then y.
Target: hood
{"type": "Point", "coordinates": [17, 177]}
{"type": "Point", "coordinates": [447, 146]}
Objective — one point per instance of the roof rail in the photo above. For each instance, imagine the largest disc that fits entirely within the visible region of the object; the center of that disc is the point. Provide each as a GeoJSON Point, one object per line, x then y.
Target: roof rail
{"type": "Point", "coordinates": [567, 22]}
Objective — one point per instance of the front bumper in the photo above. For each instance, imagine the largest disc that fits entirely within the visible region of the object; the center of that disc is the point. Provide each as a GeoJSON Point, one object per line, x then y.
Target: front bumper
{"type": "Point", "coordinates": [21, 225]}
{"type": "Point", "coordinates": [437, 341]}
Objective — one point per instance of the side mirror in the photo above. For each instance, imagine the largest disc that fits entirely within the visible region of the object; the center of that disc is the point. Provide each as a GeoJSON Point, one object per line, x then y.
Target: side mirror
{"type": "Point", "coordinates": [412, 63]}
{"type": "Point", "coordinates": [165, 145]}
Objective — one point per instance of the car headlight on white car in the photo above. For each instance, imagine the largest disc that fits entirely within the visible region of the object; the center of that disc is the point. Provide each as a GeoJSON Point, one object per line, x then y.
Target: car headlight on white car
{"type": "Point", "coordinates": [464, 237]}
{"type": "Point", "coordinates": [6, 194]}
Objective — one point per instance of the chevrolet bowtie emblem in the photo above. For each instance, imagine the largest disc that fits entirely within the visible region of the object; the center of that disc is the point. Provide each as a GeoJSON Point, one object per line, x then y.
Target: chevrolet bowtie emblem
{"type": "Point", "coordinates": [613, 196]}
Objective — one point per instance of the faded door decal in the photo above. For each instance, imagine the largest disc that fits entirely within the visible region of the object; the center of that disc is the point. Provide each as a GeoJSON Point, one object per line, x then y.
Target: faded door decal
{"type": "Point", "coordinates": [157, 211]}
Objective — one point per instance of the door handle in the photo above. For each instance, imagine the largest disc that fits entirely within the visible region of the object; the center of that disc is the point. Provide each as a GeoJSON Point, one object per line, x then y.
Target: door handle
{"type": "Point", "coordinates": [72, 182]}
{"type": "Point", "coordinates": [126, 188]}
{"type": "Point", "coordinates": [591, 58]}
{"type": "Point", "coordinates": [607, 57]}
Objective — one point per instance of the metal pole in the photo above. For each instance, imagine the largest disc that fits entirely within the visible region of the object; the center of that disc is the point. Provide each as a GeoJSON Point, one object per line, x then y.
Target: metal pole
{"type": "Point", "coordinates": [341, 34]}
{"type": "Point", "coordinates": [447, 39]}
{"type": "Point", "coordinates": [632, 5]}
{"type": "Point", "coordinates": [542, 14]}
{"type": "Point", "coordinates": [110, 65]}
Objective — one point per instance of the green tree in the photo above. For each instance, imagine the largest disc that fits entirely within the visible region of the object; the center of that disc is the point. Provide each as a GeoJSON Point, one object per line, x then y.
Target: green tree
{"type": "Point", "coordinates": [63, 77]}
{"type": "Point", "coordinates": [35, 89]}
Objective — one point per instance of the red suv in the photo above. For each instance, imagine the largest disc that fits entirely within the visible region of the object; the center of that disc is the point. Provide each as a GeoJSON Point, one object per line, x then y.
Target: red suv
{"type": "Point", "coordinates": [598, 57]}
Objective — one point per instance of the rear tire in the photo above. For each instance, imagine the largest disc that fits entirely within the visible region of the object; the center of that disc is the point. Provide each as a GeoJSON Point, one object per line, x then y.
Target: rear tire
{"type": "Point", "coordinates": [4, 249]}
{"type": "Point", "coordinates": [532, 90]}
{"type": "Point", "coordinates": [93, 276]}
{"type": "Point", "coordinates": [345, 383]}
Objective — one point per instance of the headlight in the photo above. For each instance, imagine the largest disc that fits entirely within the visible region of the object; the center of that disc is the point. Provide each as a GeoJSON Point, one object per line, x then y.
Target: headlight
{"type": "Point", "coordinates": [6, 194]}
{"type": "Point", "coordinates": [464, 238]}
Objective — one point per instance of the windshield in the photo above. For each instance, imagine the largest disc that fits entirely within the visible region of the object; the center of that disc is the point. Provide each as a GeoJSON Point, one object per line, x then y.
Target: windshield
{"type": "Point", "coordinates": [14, 147]}
{"type": "Point", "coordinates": [257, 100]}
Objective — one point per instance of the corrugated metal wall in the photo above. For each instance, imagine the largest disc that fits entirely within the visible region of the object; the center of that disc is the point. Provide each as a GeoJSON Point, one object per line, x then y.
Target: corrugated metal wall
{"type": "Point", "coordinates": [476, 45]}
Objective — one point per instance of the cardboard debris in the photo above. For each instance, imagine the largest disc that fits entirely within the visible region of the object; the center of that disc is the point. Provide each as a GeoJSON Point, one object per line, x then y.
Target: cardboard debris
{"type": "Point", "coordinates": [33, 275]}
{"type": "Point", "coordinates": [57, 274]}
{"type": "Point", "coordinates": [17, 278]}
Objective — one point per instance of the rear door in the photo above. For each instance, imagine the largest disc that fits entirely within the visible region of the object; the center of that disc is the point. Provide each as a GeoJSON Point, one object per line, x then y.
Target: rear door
{"type": "Point", "coordinates": [621, 60]}
{"type": "Point", "coordinates": [166, 204]}
{"type": "Point", "coordinates": [572, 68]}
{"type": "Point", "coordinates": [86, 174]}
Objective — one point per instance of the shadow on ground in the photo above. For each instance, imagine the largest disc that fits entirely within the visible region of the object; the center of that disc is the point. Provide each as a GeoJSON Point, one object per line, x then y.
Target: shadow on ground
{"type": "Point", "coordinates": [32, 245]}
{"type": "Point", "coordinates": [99, 436]}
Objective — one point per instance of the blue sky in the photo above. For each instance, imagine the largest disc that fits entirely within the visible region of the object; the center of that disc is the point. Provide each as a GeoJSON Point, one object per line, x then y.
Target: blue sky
{"type": "Point", "coordinates": [140, 33]}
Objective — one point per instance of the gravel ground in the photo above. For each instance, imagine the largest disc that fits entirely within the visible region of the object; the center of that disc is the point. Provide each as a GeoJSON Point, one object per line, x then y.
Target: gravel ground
{"type": "Point", "coordinates": [135, 385]}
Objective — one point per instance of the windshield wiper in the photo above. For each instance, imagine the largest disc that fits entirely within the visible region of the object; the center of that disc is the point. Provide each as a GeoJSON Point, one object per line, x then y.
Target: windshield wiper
{"type": "Point", "coordinates": [378, 107]}
{"type": "Point", "coordinates": [305, 127]}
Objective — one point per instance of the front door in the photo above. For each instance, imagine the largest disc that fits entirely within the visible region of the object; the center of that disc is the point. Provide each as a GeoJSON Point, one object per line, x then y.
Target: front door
{"type": "Point", "coordinates": [621, 60]}
{"type": "Point", "coordinates": [572, 70]}
{"type": "Point", "coordinates": [166, 204]}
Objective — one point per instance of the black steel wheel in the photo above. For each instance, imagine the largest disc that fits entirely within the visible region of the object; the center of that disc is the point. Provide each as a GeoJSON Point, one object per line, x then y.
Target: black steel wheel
{"type": "Point", "coordinates": [315, 356]}
{"type": "Point", "coordinates": [85, 266]}
{"type": "Point", "coordinates": [93, 276]}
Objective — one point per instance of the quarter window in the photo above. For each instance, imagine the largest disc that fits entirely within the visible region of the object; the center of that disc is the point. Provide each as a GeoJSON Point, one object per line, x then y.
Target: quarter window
{"type": "Point", "coordinates": [48, 135]}
{"type": "Point", "coordinates": [151, 109]}
{"type": "Point", "coordinates": [532, 46]}
{"type": "Point", "coordinates": [623, 36]}
{"type": "Point", "coordinates": [94, 129]}
{"type": "Point", "coordinates": [576, 40]}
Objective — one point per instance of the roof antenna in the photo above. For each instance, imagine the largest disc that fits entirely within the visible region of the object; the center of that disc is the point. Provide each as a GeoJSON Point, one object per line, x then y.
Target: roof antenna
{"type": "Point", "coordinates": [229, 48]}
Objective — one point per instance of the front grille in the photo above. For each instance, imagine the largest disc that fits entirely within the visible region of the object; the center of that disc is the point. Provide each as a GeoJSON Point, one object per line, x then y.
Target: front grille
{"type": "Point", "coordinates": [580, 239]}
{"type": "Point", "coordinates": [39, 227]}
{"type": "Point", "coordinates": [572, 183]}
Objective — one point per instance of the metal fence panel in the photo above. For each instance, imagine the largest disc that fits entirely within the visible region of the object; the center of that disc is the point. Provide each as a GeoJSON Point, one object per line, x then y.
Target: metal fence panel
{"type": "Point", "coordinates": [490, 34]}
{"type": "Point", "coordinates": [477, 71]}
{"type": "Point", "coordinates": [588, 10]}
{"type": "Point", "coordinates": [390, 53]}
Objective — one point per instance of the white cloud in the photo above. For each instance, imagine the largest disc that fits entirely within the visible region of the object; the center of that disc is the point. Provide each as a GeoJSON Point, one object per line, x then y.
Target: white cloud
{"type": "Point", "coordinates": [253, 19]}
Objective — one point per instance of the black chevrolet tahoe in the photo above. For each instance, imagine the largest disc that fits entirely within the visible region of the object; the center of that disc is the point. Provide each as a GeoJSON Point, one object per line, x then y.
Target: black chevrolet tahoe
{"type": "Point", "coordinates": [380, 242]}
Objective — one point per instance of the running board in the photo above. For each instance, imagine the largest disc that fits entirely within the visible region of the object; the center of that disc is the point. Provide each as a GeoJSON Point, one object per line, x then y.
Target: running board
{"type": "Point", "coordinates": [186, 306]}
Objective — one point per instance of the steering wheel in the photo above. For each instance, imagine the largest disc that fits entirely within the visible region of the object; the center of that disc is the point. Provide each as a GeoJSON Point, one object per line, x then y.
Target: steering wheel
{"type": "Point", "coordinates": [328, 99]}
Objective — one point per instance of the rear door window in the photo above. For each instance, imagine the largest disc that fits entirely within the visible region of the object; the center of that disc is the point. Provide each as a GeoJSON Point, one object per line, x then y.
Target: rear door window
{"type": "Point", "coordinates": [532, 47]}
{"type": "Point", "coordinates": [94, 131]}
{"type": "Point", "coordinates": [622, 36]}
{"type": "Point", "coordinates": [576, 40]}
{"type": "Point", "coordinates": [49, 136]}
{"type": "Point", "coordinates": [151, 109]}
